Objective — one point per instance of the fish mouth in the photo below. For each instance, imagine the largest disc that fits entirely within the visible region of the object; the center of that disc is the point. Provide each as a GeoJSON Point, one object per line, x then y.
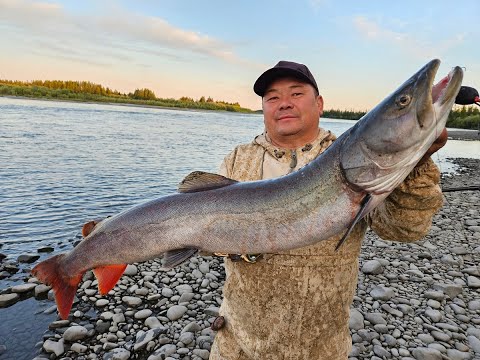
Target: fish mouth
{"type": "Point", "coordinates": [447, 88]}
{"type": "Point", "coordinates": [440, 96]}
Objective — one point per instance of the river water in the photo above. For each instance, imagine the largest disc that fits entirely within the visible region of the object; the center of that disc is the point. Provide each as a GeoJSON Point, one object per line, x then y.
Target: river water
{"type": "Point", "coordinates": [62, 164]}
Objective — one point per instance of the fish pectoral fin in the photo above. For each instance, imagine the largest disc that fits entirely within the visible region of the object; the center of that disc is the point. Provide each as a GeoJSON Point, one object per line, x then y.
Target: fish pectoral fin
{"type": "Point", "coordinates": [202, 181]}
{"type": "Point", "coordinates": [173, 258]}
{"type": "Point", "coordinates": [108, 276]}
{"type": "Point", "coordinates": [364, 209]}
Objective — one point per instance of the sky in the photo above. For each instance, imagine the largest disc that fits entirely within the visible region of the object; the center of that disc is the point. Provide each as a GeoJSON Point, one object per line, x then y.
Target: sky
{"type": "Point", "coordinates": [358, 51]}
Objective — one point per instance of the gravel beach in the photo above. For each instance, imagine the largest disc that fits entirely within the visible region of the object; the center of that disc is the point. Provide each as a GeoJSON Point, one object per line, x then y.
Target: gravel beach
{"type": "Point", "coordinates": [414, 301]}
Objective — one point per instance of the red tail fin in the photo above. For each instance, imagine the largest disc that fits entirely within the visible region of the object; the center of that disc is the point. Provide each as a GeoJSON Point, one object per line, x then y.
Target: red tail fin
{"type": "Point", "coordinates": [108, 276]}
{"type": "Point", "coordinates": [50, 272]}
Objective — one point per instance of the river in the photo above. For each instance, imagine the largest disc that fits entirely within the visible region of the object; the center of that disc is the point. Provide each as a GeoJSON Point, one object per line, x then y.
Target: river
{"type": "Point", "coordinates": [62, 163]}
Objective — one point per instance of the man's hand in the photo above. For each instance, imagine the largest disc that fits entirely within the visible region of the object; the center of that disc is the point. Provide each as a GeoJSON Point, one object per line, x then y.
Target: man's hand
{"type": "Point", "coordinates": [437, 145]}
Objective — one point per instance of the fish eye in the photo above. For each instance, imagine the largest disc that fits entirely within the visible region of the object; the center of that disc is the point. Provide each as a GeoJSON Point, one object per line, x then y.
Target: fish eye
{"type": "Point", "coordinates": [403, 100]}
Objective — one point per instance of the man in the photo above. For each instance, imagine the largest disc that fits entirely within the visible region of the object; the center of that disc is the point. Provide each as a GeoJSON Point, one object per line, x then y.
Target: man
{"type": "Point", "coordinates": [295, 304]}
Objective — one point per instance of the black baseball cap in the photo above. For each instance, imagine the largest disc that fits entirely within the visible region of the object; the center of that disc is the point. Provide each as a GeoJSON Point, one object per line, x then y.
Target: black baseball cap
{"type": "Point", "coordinates": [283, 69]}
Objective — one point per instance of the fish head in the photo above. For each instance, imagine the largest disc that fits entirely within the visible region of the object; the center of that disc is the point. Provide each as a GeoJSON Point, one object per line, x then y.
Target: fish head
{"type": "Point", "coordinates": [386, 144]}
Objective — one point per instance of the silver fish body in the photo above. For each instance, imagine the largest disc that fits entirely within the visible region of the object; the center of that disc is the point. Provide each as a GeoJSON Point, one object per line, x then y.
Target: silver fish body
{"type": "Point", "coordinates": [324, 198]}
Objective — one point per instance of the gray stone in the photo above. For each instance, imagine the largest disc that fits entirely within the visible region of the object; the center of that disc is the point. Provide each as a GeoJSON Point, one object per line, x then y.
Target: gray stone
{"type": "Point", "coordinates": [163, 352]}
{"type": "Point", "coordinates": [23, 288]}
{"type": "Point", "coordinates": [435, 315]}
{"type": "Point", "coordinates": [356, 320]}
{"type": "Point", "coordinates": [117, 354]}
{"type": "Point", "coordinates": [132, 301]}
{"type": "Point", "coordinates": [473, 282]}
{"type": "Point", "coordinates": [434, 295]}
{"type": "Point", "coordinates": [75, 333]}
{"type": "Point", "coordinates": [474, 343]}
{"type": "Point", "coordinates": [451, 290]}
{"type": "Point", "coordinates": [204, 354]}
{"type": "Point", "coordinates": [41, 290]}
{"type": "Point", "coordinates": [426, 354]}
{"type": "Point", "coordinates": [372, 267]}
{"type": "Point", "coordinates": [176, 312]}
{"type": "Point", "coordinates": [55, 347]}
{"type": "Point", "coordinates": [192, 327]}
{"type": "Point", "coordinates": [143, 338]}
{"type": "Point", "coordinates": [143, 314]}
{"type": "Point", "coordinates": [454, 354]}
{"type": "Point", "coordinates": [382, 293]}
{"type": "Point", "coordinates": [101, 302]}
{"type": "Point", "coordinates": [28, 258]}
{"type": "Point", "coordinates": [8, 299]}
{"type": "Point", "coordinates": [118, 318]}
{"type": "Point", "coordinates": [131, 270]}
{"type": "Point", "coordinates": [79, 348]}
{"type": "Point", "coordinates": [187, 338]}
{"type": "Point", "coordinates": [152, 322]}
{"type": "Point", "coordinates": [375, 318]}
{"type": "Point", "coordinates": [381, 352]}
{"type": "Point", "coordinates": [167, 292]}
{"type": "Point", "coordinates": [184, 288]}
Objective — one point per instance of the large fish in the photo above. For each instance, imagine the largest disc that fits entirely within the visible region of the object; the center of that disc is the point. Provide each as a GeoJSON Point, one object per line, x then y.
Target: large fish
{"type": "Point", "coordinates": [216, 214]}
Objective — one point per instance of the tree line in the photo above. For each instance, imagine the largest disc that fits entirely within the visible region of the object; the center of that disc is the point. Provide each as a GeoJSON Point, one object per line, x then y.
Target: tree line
{"type": "Point", "coordinates": [465, 117]}
{"type": "Point", "coordinates": [88, 91]}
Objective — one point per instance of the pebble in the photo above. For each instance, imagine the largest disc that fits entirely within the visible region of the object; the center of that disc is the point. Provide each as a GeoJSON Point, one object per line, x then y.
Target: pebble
{"type": "Point", "coordinates": [75, 333]}
{"type": "Point", "coordinates": [176, 312]}
{"type": "Point", "coordinates": [23, 288]}
{"type": "Point", "coordinates": [8, 299]}
{"type": "Point", "coordinates": [382, 293]}
{"type": "Point", "coordinates": [372, 267]}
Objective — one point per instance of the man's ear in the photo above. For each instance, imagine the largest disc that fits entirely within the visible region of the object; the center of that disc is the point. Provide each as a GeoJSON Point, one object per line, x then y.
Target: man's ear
{"type": "Point", "coordinates": [320, 104]}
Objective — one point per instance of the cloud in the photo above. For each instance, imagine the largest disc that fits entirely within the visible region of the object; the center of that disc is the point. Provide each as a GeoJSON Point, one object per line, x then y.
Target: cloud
{"type": "Point", "coordinates": [105, 35]}
{"type": "Point", "coordinates": [417, 44]}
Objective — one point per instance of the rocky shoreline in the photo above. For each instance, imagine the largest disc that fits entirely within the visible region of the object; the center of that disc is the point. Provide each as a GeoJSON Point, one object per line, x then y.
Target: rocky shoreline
{"type": "Point", "coordinates": [413, 301]}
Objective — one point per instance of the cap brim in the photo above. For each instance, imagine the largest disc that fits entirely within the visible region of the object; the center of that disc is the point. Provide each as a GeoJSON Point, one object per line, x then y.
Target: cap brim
{"type": "Point", "coordinates": [264, 81]}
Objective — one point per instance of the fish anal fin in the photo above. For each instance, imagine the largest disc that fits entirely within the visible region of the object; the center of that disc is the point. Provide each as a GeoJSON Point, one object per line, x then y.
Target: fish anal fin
{"type": "Point", "coordinates": [174, 258]}
{"type": "Point", "coordinates": [203, 181]}
{"type": "Point", "coordinates": [108, 276]}
{"type": "Point", "coordinates": [364, 209]}
{"type": "Point", "coordinates": [50, 272]}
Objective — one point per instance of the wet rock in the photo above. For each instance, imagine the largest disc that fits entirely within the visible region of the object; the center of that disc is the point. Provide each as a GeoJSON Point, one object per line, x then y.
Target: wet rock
{"type": "Point", "coordinates": [8, 299]}
{"type": "Point", "coordinates": [75, 333]}
{"type": "Point", "coordinates": [23, 288]}
{"type": "Point", "coordinates": [28, 258]}
{"type": "Point", "coordinates": [55, 347]}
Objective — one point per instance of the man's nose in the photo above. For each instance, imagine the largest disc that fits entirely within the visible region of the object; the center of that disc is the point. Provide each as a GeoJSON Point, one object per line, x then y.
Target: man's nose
{"type": "Point", "coordinates": [285, 103]}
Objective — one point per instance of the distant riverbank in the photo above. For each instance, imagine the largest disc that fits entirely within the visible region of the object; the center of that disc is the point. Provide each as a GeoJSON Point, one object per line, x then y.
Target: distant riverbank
{"type": "Point", "coordinates": [463, 134]}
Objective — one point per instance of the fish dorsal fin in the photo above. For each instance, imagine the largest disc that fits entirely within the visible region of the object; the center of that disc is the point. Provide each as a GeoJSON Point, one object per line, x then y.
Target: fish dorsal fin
{"type": "Point", "coordinates": [364, 209]}
{"type": "Point", "coordinates": [202, 181]}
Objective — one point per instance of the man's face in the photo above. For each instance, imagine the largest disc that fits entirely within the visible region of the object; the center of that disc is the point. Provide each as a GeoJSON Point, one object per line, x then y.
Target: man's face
{"type": "Point", "coordinates": [291, 110]}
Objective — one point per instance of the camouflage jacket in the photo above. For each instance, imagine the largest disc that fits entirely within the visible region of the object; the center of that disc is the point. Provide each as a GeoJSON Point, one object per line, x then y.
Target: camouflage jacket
{"type": "Point", "coordinates": [295, 304]}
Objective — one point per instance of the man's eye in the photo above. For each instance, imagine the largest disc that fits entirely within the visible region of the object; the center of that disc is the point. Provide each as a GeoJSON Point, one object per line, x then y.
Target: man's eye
{"type": "Point", "coordinates": [296, 94]}
{"type": "Point", "coordinates": [272, 98]}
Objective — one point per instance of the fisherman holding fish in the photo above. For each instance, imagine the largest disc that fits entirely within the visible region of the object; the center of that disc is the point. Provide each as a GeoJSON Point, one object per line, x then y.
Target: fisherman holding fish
{"type": "Point", "coordinates": [295, 304]}
{"type": "Point", "coordinates": [291, 302]}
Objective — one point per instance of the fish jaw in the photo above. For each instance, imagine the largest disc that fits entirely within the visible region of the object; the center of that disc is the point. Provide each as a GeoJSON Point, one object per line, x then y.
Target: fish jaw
{"type": "Point", "coordinates": [386, 144]}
